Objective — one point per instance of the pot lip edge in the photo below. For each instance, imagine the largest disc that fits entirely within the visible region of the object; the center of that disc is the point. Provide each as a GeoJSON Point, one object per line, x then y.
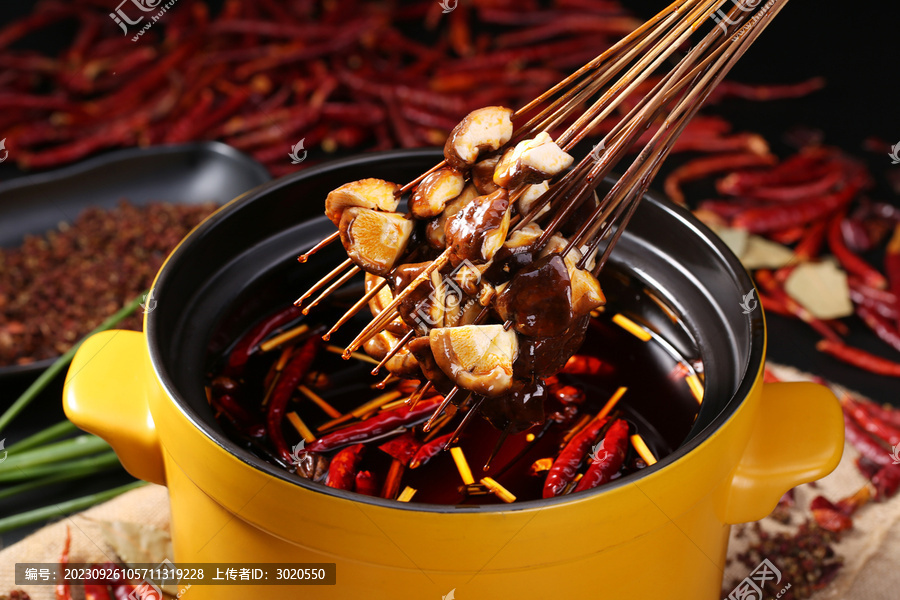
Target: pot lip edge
{"type": "Point", "coordinates": [757, 338]}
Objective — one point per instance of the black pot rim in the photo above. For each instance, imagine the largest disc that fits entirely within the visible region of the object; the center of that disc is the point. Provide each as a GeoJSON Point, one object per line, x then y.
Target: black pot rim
{"type": "Point", "coordinates": [683, 216]}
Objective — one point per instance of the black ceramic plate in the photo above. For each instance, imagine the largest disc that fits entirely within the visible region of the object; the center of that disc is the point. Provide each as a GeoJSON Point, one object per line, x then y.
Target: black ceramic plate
{"type": "Point", "coordinates": [188, 174]}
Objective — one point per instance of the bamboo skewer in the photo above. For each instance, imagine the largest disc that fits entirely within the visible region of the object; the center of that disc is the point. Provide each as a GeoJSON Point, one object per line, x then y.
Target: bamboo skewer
{"type": "Point", "coordinates": [598, 89]}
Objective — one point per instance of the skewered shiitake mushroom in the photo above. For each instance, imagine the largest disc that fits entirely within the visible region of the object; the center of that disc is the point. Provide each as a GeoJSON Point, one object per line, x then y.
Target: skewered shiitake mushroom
{"type": "Point", "coordinates": [486, 128]}
{"type": "Point", "coordinates": [376, 194]}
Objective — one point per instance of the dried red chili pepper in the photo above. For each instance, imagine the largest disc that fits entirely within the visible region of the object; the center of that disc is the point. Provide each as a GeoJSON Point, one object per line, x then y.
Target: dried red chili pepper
{"type": "Point", "coordinates": [767, 280]}
{"type": "Point", "coordinates": [890, 416]}
{"type": "Point", "coordinates": [273, 133]}
{"type": "Point", "coordinates": [96, 591]}
{"type": "Point", "coordinates": [225, 109]}
{"type": "Point", "coordinates": [119, 132]}
{"type": "Point", "coordinates": [373, 427]}
{"type": "Point", "coordinates": [811, 243]}
{"type": "Point", "coordinates": [342, 470]}
{"type": "Point", "coordinates": [366, 483]}
{"type": "Point", "coordinates": [886, 481]}
{"type": "Point", "coordinates": [608, 459]}
{"type": "Point", "coordinates": [428, 118]}
{"type": "Point", "coordinates": [360, 113]}
{"type": "Point", "coordinates": [301, 51]}
{"type": "Point", "coordinates": [859, 358]}
{"type": "Point", "coordinates": [399, 125]}
{"type": "Point", "coordinates": [9, 101]}
{"type": "Point", "coordinates": [689, 141]}
{"type": "Point", "coordinates": [763, 93]}
{"type": "Point", "coordinates": [828, 516]}
{"type": "Point", "coordinates": [272, 29]}
{"type": "Point", "coordinates": [181, 130]}
{"type": "Point", "coordinates": [583, 364]}
{"type": "Point", "coordinates": [126, 98]}
{"type": "Point", "coordinates": [248, 344]}
{"type": "Point", "coordinates": [429, 450]}
{"type": "Point", "coordinates": [851, 262]}
{"type": "Point", "coordinates": [798, 168]}
{"type": "Point", "coordinates": [402, 448]}
{"type": "Point", "coordinates": [864, 443]}
{"type": "Point", "coordinates": [238, 415]}
{"type": "Point", "coordinates": [883, 431]}
{"type": "Point", "coordinates": [892, 261]}
{"type": "Point", "coordinates": [123, 591]}
{"type": "Point", "coordinates": [787, 236]}
{"type": "Point", "coordinates": [850, 504]}
{"type": "Point", "coordinates": [883, 302]}
{"type": "Point", "coordinates": [291, 376]}
{"type": "Point", "coordinates": [882, 327]}
{"type": "Point", "coordinates": [567, 394]}
{"type": "Point", "coordinates": [63, 590]}
{"type": "Point", "coordinates": [566, 24]}
{"type": "Point", "coordinates": [566, 465]}
{"type": "Point", "coordinates": [706, 166]}
{"type": "Point", "coordinates": [460, 33]}
{"type": "Point", "coordinates": [866, 467]}
{"type": "Point", "coordinates": [771, 304]}
{"type": "Point", "coordinates": [727, 209]}
{"type": "Point", "coordinates": [38, 20]}
{"type": "Point", "coordinates": [774, 218]}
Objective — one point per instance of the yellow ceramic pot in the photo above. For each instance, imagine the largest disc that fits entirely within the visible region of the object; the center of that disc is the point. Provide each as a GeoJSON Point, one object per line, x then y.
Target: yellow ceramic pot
{"type": "Point", "coordinates": [660, 534]}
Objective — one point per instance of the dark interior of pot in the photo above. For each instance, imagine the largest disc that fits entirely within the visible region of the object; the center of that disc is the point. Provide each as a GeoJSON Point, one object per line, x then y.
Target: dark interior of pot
{"type": "Point", "coordinates": [241, 265]}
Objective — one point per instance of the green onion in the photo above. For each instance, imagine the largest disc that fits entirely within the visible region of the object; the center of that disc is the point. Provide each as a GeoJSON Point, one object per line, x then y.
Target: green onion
{"type": "Point", "coordinates": [26, 473]}
{"type": "Point", "coordinates": [52, 433]}
{"type": "Point", "coordinates": [83, 445]}
{"type": "Point", "coordinates": [57, 367]}
{"type": "Point", "coordinates": [67, 471]}
{"type": "Point", "coordinates": [63, 508]}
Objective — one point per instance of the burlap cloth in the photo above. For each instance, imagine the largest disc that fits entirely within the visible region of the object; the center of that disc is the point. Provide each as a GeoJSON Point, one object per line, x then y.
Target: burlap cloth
{"type": "Point", "coordinates": [870, 551]}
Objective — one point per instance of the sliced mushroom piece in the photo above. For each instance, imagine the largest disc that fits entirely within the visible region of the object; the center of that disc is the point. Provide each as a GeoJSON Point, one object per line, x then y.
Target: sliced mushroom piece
{"type": "Point", "coordinates": [544, 159]}
{"type": "Point", "coordinates": [483, 175]}
{"type": "Point", "coordinates": [420, 347]}
{"type": "Point", "coordinates": [380, 344]}
{"type": "Point", "coordinates": [555, 245]}
{"type": "Point", "coordinates": [435, 191]}
{"type": "Point", "coordinates": [479, 229]}
{"type": "Point", "coordinates": [382, 299]}
{"type": "Point", "coordinates": [484, 129]}
{"type": "Point", "coordinates": [538, 299]}
{"type": "Point", "coordinates": [435, 230]}
{"type": "Point", "coordinates": [374, 240]}
{"type": "Point", "coordinates": [518, 250]}
{"type": "Point", "coordinates": [423, 308]}
{"type": "Point", "coordinates": [586, 292]}
{"type": "Point", "coordinates": [463, 313]}
{"type": "Point", "coordinates": [402, 363]}
{"type": "Point", "coordinates": [478, 358]}
{"type": "Point", "coordinates": [523, 238]}
{"type": "Point", "coordinates": [503, 172]}
{"type": "Point", "coordinates": [529, 198]}
{"type": "Point", "coordinates": [545, 356]}
{"type": "Point", "coordinates": [376, 194]}
{"type": "Point", "coordinates": [468, 276]}
{"type": "Point", "coordinates": [532, 161]}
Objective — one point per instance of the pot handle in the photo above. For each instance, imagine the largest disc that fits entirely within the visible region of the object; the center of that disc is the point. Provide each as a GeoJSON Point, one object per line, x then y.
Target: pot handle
{"type": "Point", "coordinates": [798, 437]}
{"type": "Point", "coordinates": [107, 393]}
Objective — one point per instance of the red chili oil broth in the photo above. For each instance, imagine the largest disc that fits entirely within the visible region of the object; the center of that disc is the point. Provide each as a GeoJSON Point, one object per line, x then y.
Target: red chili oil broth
{"type": "Point", "coordinates": [659, 404]}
